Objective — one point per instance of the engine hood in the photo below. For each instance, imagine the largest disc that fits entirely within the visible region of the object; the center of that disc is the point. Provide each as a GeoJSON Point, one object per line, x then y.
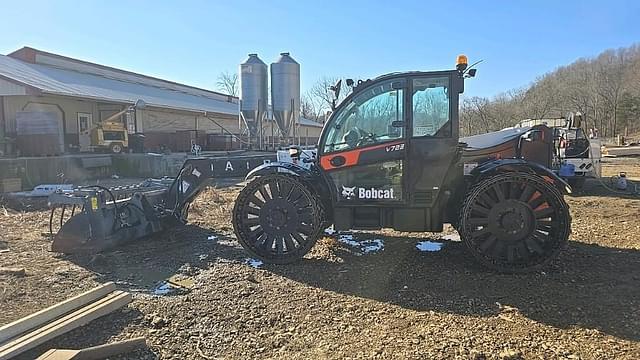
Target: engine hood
{"type": "Point", "coordinates": [492, 139]}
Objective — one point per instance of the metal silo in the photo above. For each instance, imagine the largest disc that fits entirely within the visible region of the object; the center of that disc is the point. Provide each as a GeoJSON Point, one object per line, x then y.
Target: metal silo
{"type": "Point", "coordinates": [285, 93]}
{"type": "Point", "coordinates": [253, 92]}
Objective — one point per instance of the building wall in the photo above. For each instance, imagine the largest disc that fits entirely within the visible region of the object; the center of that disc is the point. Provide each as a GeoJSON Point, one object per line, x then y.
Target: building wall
{"type": "Point", "coordinates": [67, 108]}
{"type": "Point", "coordinates": [162, 124]}
{"type": "Point", "coordinates": [9, 88]}
{"type": "Point", "coordinates": [165, 120]}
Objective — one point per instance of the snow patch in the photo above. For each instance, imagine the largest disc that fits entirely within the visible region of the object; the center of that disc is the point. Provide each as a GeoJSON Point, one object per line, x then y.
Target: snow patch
{"type": "Point", "coordinates": [347, 239]}
{"type": "Point", "coordinates": [164, 288]}
{"type": "Point", "coordinates": [330, 230]}
{"type": "Point", "coordinates": [372, 246]}
{"type": "Point", "coordinates": [254, 263]}
{"type": "Point", "coordinates": [212, 238]}
{"type": "Point", "coordinates": [365, 246]}
{"type": "Point", "coordinates": [430, 246]}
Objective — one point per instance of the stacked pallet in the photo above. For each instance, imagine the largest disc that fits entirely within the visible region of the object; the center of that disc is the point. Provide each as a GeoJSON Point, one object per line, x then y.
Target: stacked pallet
{"type": "Point", "coordinates": [42, 326]}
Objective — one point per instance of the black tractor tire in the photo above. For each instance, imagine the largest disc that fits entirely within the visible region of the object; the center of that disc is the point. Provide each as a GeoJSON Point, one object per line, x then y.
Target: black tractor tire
{"type": "Point", "coordinates": [277, 219]}
{"type": "Point", "coordinates": [514, 222]}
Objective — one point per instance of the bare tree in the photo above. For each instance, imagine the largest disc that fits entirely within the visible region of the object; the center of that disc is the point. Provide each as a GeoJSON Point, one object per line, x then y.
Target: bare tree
{"type": "Point", "coordinates": [228, 83]}
{"type": "Point", "coordinates": [606, 89]}
{"type": "Point", "coordinates": [309, 110]}
{"type": "Point", "coordinates": [322, 95]}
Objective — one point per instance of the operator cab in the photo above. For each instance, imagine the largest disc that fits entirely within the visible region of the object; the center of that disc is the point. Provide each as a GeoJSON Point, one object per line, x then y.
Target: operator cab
{"type": "Point", "coordinates": [388, 148]}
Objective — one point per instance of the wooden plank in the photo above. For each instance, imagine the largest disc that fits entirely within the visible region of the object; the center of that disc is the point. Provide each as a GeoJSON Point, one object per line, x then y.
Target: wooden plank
{"type": "Point", "coordinates": [57, 354]}
{"type": "Point", "coordinates": [46, 315]}
{"type": "Point", "coordinates": [95, 352]}
{"type": "Point", "coordinates": [80, 317]}
{"type": "Point", "coordinates": [13, 271]}
{"type": "Point", "coordinates": [106, 350]}
{"type": "Point", "coordinates": [28, 336]}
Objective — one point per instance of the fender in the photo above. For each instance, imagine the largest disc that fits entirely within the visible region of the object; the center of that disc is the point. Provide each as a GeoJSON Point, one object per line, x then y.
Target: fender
{"type": "Point", "coordinates": [312, 177]}
{"type": "Point", "coordinates": [276, 167]}
{"type": "Point", "coordinates": [505, 165]}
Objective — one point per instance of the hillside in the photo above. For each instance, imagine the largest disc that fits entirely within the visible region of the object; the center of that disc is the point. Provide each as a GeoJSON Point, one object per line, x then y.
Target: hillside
{"type": "Point", "coordinates": [605, 88]}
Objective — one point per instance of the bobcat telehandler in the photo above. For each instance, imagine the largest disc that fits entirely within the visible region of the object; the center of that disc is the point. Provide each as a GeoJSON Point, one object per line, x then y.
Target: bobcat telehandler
{"type": "Point", "coordinates": [389, 156]}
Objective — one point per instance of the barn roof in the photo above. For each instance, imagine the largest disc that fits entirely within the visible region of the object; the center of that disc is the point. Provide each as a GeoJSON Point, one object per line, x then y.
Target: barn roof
{"type": "Point", "coordinates": [60, 75]}
{"type": "Point", "coordinates": [58, 81]}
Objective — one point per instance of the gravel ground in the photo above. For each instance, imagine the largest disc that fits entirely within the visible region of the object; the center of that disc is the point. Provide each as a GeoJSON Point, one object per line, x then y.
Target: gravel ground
{"type": "Point", "coordinates": [345, 301]}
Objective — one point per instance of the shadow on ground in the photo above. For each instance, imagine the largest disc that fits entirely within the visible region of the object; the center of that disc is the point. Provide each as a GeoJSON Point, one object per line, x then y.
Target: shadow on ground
{"type": "Point", "coordinates": [605, 187]}
{"type": "Point", "coordinates": [142, 265]}
{"type": "Point", "coordinates": [588, 286]}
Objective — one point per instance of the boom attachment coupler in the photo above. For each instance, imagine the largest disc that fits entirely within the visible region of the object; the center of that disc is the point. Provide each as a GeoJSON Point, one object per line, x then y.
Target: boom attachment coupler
{"type": "Point", "coordinates": [102, 218]}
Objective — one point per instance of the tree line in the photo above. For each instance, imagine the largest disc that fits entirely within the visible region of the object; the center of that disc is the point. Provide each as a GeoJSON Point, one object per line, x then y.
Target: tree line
{"type": "Point", "coordinates": [605, 89]}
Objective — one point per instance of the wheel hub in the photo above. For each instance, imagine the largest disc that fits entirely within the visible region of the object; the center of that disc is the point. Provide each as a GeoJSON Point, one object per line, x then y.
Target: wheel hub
{"type": "Point", "coordinates": [511, 220]}
{"type": "Point", "coordinates": [278, 217]}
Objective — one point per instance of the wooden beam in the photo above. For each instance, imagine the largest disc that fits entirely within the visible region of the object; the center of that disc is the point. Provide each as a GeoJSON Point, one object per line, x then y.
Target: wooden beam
{"type": "Point", "coordinates": [95, 352]}
{"type": "Point", "coordinates": [44, 316]}
{"type": "Point", "coordinates": [77, 318]}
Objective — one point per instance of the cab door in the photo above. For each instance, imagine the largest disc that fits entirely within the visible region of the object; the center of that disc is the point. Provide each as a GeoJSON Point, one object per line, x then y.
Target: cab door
{"type": "Point", "coordinates": [362, 149]}
{"type": "Point", "coordinates": [433, 170]}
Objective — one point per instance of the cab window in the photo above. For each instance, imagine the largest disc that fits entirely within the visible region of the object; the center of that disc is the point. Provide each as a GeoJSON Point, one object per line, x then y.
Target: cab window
{"type": "Point", "coordinates": [431, 115]}
{"type": "Point", "coordinates": [373, 116]}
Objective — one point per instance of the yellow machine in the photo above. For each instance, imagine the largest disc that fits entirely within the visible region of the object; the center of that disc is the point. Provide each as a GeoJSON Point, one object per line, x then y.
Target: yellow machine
{"type": "Point", "coordinates": [111, 136]}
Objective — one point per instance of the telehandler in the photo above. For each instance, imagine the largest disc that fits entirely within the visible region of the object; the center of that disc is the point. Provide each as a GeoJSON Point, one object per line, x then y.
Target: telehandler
{"type": "Point", "coordinates": [390, 156]}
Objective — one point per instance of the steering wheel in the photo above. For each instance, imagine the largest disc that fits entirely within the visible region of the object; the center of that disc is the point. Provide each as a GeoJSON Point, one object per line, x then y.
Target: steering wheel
{"type": "Point", "coordinates": [357, 137]}
{"type": "Point", "coordinates": [366, 138]}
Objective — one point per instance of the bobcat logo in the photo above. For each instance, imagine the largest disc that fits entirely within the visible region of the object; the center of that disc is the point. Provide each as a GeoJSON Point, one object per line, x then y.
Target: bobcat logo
{"type": "Point", "coordinates": [348, 192]}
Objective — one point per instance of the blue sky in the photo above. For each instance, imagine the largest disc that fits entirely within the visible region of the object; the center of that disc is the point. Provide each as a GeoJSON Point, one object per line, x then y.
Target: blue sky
{"type": "Point", "coordinates": [193, 41]}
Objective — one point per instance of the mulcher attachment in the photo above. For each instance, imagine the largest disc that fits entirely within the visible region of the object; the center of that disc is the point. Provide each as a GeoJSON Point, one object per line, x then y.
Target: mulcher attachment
{"type": "Point", "coordinates": [102, 218]}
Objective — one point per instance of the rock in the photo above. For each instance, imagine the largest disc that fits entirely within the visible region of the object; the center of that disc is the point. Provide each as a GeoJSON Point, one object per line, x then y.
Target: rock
{"type": "Point", "coordinates": [509, 354]}
{"type": "Point", "coordinates": [477, 355]}
{"type": "Point", "coordinates": [158, 322]}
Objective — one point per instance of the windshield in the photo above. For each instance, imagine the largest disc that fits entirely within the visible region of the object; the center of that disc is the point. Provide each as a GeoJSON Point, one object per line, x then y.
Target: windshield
{"type": "Point", "coordinates": [372, 116]}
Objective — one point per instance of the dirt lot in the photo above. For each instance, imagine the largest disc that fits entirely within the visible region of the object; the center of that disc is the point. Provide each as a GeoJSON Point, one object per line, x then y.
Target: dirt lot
{"type": "Point", "coordinates": [342, 302]}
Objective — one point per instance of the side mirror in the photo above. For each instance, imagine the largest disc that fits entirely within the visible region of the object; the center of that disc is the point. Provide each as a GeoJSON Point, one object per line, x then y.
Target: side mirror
{"type": "Point", "coordinates": [336, 93]}
{"type": "Point", "coordinates": [336, 88]}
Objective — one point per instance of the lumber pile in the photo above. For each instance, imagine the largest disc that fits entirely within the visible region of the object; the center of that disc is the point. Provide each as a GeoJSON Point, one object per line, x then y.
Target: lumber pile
{"type": "Point", "coordinates": [33, 330]}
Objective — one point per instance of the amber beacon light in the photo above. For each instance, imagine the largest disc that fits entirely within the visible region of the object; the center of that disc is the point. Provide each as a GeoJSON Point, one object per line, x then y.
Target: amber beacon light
{"type": "Point", "coordinates": [462, 62]}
